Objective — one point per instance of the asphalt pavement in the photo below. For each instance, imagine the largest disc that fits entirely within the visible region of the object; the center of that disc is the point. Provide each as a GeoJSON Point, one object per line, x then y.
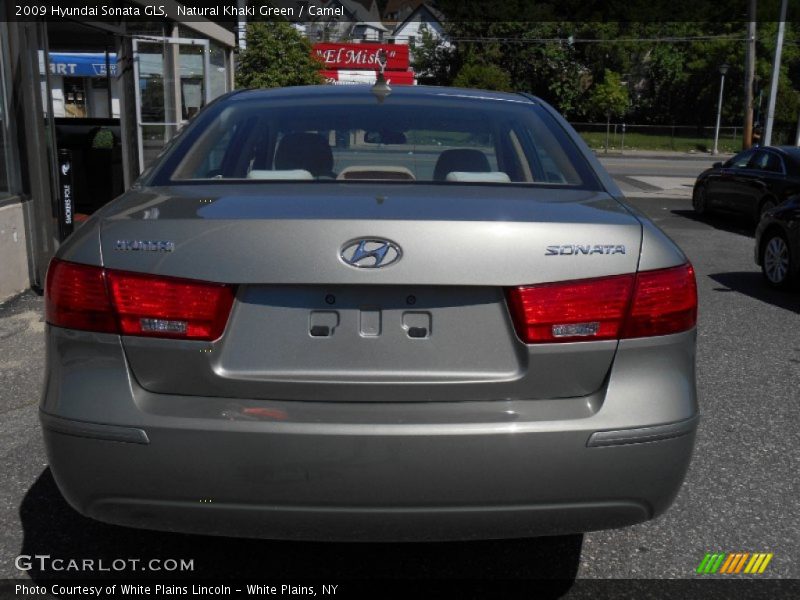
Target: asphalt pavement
{"type": "Point", "coordinates": [740, 494]}
{"type": "Point", "coordinates": [657, 175]}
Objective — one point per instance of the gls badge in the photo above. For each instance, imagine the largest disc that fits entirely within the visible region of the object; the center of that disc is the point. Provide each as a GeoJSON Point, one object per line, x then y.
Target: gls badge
{"type": "Point", "coordinates": [577, 249]}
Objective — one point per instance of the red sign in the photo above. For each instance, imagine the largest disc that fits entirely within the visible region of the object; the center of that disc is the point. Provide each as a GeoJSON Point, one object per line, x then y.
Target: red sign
{"type": "Point", "coordinates": [361, 56]}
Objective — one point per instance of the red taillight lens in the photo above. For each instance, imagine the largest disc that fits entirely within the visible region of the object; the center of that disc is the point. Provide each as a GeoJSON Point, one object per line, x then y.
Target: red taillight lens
{"type": "Point", "coordinates": [665, 301]}
{"type": "Point", "coordinates": [622, 306]}
{"type": "Point", "coordinates": [588, 309]}
{"type": "Point", "coordinates": [96, 299]}
{"type": "Point", "coordinates": [169, 307]}
{"type": "Point", "coordinates": [76, 298]}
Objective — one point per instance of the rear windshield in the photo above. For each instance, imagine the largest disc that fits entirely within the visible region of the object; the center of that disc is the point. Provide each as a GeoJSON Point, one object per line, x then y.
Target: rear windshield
{"type": "Point", "coordinates": [353, 139]}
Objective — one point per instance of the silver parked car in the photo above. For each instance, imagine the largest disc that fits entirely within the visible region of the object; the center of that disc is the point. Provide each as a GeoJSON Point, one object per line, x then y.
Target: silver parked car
{"type": "Point", "coordinates": [323, 316]}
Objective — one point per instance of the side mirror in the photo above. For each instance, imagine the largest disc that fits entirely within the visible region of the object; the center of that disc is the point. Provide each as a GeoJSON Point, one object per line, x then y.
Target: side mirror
{"type": "Point", "coordinates": [717, 165]}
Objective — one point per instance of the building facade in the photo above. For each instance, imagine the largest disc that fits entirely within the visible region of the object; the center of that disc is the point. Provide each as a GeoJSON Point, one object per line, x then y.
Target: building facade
{"type": "Point", "coordinates": [84, 108]}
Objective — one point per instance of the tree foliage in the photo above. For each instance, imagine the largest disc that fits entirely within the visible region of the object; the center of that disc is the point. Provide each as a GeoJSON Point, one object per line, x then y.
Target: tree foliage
{"type": "Point", "coordinates": [564, 55]}
{"type": "Point", "coordinates": [483, 76]}
{"type": "Point", "coordinates": [276, 56]}
{"type": "Point", "coordinates": [433, 60]}
{"type": "Point", "coordinates": [609, 98]}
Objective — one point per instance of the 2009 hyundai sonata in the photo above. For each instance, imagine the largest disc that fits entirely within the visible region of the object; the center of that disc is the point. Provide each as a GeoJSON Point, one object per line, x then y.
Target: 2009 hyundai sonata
{"type": "Point", "coordinates": [324, 316]}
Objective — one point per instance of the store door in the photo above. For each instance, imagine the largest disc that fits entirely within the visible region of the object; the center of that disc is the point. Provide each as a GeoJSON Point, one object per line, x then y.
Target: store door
{"type": "Point", "coordinates": [172, 84]}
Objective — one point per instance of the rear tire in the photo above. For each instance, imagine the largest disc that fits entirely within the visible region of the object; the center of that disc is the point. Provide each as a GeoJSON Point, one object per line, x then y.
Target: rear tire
{"type": "Point", "coordinates": [777, 263]}
{"type": "Point", "coordinates": [700, 200]}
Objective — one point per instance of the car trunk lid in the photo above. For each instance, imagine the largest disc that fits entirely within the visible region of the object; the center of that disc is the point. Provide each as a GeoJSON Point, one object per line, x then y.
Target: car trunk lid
{"type": "Point", "coordinates": [434, 325]}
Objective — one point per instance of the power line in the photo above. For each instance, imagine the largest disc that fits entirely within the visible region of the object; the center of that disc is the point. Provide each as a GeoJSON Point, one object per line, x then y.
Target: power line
{"type": "Point", "coordinates": [668, 40]}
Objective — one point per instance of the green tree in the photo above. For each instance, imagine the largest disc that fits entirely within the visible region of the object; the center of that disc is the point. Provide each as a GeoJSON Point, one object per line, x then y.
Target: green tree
{"type": "Point", "coordinates": [277, 55]}
{"type": "Point", "coordinates": [610, 98]}
{"type": "Point", "coordinates": [433, 60]}
{"type": "Point", "coordinates": [550, 69]}
{"type": "Point", "coordinates": [560, 49]}
{"type": "Point", "coordinates": [485, 77]}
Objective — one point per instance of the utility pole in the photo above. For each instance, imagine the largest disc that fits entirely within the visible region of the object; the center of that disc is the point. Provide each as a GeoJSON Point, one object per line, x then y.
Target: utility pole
{"type": "Point", "coordinates": [241, 24]}
{"type": "Point", "coordinates": [776, 68]}
{"type": "Point", "coordinates": [797, 135]}
{"type": "Point", "coordinates": [723, 68]}
{"type": "Point", "coordinates": [749, 75]}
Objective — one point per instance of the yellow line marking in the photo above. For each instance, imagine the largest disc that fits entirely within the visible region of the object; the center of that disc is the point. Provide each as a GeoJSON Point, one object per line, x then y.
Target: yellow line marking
{"type": "Point", "coordinates": [766, 562]}
{"type": "Point", "coordinates": [752, 563]}
{"type": "Point", "coordinates": [757, 563]}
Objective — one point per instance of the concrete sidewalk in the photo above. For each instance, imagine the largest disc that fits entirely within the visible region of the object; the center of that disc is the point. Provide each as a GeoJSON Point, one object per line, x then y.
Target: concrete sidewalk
{"type": "Point", "coordinates": [21, 351]}
{"type": "Point", "coordinates": [662, 154]}
{"type": "Point", "coordinates": [640, 186]}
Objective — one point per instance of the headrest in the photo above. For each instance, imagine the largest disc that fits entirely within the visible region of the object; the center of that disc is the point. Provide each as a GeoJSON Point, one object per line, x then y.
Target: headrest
{"type": "Point", "coordinates": [308, 151]}
{"type": "Point", "coordinates": [460, 159]}
{"type": "Point", "coordinates": [471, 177]}
{"type": "Point", "coordinates": [278, 175]}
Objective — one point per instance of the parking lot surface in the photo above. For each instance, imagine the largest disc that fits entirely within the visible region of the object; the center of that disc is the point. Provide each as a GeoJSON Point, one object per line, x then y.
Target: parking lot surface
{"type": "Point", "coordinates": [740, 494]}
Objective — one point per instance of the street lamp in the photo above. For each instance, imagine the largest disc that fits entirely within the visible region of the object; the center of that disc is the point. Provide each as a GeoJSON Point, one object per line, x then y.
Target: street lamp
{"type": "Point", "coordinates": [723, 68]}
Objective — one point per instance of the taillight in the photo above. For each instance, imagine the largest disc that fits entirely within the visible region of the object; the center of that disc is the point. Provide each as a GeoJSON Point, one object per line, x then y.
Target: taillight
{"type": "Point", "coordinates": [665, 301]}
{"type": "Point", "coordinates": [649, 303]}
{"type": "Point", "coordinates": [572, 310]}
{"type": "Point", "coordinates": [169, 307]}
{"type": "Point", "coordinates": [76, 298]}
{"type": "Point", "coordinates": [97, 299]}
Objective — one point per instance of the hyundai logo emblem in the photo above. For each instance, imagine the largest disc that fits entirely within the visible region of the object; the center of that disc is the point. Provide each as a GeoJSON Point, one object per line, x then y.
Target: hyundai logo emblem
{"type": "Point", "coordinates": [370, 253]}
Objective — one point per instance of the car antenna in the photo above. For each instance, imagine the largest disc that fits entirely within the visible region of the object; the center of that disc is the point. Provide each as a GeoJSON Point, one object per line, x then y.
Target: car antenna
{"type": "Point", "coordinates": [381, 89]}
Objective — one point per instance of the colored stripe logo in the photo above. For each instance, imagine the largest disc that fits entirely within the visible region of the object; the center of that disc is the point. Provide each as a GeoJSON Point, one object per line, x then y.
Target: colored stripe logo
{"type": "Point", "coordinates": [732, 563]}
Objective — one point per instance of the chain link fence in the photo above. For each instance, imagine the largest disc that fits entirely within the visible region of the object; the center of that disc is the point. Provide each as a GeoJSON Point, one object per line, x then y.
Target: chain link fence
{"type": "Point", "coordinates": [679, 138]}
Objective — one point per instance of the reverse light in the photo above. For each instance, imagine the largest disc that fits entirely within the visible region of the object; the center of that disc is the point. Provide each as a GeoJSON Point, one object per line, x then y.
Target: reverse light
{"type": "Point", "coordinates": [649, 303]}
{"type": "Point", "coordinates": [106, 300]}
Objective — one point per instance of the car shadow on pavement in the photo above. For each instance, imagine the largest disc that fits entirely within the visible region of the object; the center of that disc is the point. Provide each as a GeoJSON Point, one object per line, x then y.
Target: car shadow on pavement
{"type": "Point", "coordinates": [52, 527]}
{"type": "Point", "coordinates": [751, 283]}
{"type": "Point", "coordinates": [725, 222]}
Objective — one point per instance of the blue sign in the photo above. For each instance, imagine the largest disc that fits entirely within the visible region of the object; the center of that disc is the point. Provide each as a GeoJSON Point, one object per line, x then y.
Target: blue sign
{"type": "Point", "coordinates": [82, 64]}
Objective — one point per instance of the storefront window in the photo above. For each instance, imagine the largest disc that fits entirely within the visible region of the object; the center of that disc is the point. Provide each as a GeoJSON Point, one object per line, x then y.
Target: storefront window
{"type": "Point", "coordinates": [191, 71]}
{"type": "Point", "coordinates": [217, 60]}
{"type": "Point", "coordinates": [218, 74]}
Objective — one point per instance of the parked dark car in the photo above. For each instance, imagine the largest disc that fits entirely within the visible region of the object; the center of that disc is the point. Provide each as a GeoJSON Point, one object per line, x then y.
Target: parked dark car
{"type": "Point", "coordinates": [777, 248]}
{"type": "Point", "coordinates": [751, 183]}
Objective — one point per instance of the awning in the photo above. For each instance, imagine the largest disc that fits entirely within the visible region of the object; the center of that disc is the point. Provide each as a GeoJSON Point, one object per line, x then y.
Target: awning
{"type": "Point", "coordinates": [81, 64]}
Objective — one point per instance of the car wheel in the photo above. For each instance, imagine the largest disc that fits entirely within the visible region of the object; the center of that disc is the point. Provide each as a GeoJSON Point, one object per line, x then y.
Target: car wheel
{"type": "Point", "coordinates": [700, 200]}
{"type": "Point", "coordinates": [776, 261]}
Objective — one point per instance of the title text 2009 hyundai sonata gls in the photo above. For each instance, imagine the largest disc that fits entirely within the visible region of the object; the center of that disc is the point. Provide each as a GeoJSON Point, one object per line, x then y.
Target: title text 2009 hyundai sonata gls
{"type": "Point", "coordinates": [321, 316]}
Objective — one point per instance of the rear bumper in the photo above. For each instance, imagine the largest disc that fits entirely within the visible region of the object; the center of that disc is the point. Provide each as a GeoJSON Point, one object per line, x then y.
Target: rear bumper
{"type": "Point", "coordinates": [333, 471]}
{"type": "Point", "coordinates": [365, 487]}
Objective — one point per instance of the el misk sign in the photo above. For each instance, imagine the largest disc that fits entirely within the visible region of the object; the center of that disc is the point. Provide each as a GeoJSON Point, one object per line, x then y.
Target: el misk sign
{"type": "Point", "coordinates": [361, 56]}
